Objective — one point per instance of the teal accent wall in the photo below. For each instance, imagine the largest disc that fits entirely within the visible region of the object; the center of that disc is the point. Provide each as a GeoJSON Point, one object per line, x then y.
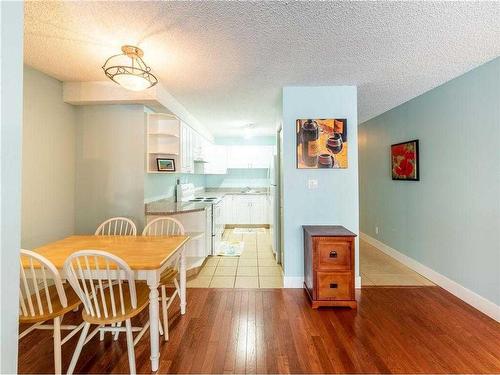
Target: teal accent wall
{"type": "Point", "coordinates": [335, 201]}
{"type": "Point", "coordinates": [11, 105]}
{"type": "Point", "coordinates": [258, 177]}
{"type": "Point", "coordinates": [450, 219]}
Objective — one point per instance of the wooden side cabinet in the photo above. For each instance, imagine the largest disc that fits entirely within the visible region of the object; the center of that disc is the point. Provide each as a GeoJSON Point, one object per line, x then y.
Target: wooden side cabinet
{"type": "Point", "coordinates": [329, 265]}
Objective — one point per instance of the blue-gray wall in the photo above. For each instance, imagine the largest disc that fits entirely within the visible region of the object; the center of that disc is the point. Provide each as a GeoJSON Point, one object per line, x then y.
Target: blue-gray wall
{"type": "Point", "coordinates": [110, 144]}
{"type": "Point", "coordinates": [450, 219]}
{"type": "Point", "coordinates": [335, 201]}
{"type": "Point", "coordinates": [11, 105]}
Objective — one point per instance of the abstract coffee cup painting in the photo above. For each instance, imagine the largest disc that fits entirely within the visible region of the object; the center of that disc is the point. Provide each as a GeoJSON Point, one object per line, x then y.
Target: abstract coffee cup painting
{"type": "Point", "coordinates": [321, 143]}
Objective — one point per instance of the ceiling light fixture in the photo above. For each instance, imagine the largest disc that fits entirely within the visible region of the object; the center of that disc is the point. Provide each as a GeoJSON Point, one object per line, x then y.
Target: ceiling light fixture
{"type": "Point", "coordinates": [129, 70]}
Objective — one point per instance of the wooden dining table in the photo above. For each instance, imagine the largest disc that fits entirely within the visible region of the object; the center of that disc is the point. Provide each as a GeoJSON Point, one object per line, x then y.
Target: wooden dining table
{"type": "Point", "coordinates": [147, 256]}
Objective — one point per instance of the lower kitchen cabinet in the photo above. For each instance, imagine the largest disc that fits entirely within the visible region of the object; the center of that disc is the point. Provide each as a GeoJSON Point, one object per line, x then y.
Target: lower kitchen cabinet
{"type": "Point", "coordinates": [245, 209]}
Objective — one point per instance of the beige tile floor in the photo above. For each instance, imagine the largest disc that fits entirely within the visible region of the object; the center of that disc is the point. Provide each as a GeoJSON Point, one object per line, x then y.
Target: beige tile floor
{"type": "Point", "coordinates": [254, 268]}
{"type": "Point", "coordinates": [379, 269]}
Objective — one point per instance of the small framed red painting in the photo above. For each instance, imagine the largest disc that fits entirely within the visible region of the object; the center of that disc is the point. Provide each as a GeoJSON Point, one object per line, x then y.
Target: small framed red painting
{"type": "Point", "coordinates": [404, 158]}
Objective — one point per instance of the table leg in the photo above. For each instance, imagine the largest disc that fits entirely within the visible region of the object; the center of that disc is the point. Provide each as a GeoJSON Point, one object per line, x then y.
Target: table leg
{"type": "Point", "coordinates": [182, 269]}
{"type": "Point", "coordinates": [154, 313]}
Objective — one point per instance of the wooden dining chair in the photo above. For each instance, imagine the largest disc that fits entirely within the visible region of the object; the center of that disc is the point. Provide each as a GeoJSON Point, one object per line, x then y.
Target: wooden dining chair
{"type": "Point", "coordinates": [44, 297]}
{"type": "Point", "coordinates": [117, 226]}
{"type": "Point", "coordinates": [105, 284]}
{"type": "Point", "coordinates": [166, 226]}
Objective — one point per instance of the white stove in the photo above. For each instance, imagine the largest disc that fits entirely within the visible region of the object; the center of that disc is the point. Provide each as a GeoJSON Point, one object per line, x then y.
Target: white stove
{"type": "Point", "coordinates": [215, 227]}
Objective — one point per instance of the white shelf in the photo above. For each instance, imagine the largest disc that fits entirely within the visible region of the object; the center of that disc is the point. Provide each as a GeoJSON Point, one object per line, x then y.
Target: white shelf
{"type": "Point", "coordinates": [169, 135]}
{"type": "Point", "coordinates": [162, 153]}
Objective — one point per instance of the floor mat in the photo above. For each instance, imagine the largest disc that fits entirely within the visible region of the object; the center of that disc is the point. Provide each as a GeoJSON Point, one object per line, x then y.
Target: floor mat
{"type": "Point", "coordinates": [248, 230]}
{"type": "Point", "coordinates": [231, 248]}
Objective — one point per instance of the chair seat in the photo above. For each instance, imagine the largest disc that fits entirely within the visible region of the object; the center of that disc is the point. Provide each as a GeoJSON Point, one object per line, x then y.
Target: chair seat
{"type": "Point", "coordinates": [142, 291]}
{"type": "Point", "coordinates": [57, 308]}
{"type": "Point", "coordinates": [167, 276]}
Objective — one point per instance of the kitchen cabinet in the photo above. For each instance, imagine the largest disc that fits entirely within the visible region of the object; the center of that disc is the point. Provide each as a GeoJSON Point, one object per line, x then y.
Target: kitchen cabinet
{"type": "Point", "coordinates": [216, 159]}
{"type": "Point", "coordinates": [168, 137]}
{"type": "Point", "coordinates": [245, 209]}
{"type": "Point", "coordinates": [246, 156]}
{"type": "Point", "coordinates": [187, 156]}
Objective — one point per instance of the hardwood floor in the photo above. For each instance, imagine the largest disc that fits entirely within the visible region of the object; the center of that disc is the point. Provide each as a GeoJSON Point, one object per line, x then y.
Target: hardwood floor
{"type": "Point", "coordinates": [394, 330]}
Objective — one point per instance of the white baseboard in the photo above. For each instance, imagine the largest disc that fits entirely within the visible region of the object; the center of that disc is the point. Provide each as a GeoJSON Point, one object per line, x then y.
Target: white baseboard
{"type": "Point", "coordinates": [293, 282]}
{"type": "Point", "coordinates": [482, 304]}
{"type": "Point", "coordinates": [298, 282]}
{"type": "Point", "coordinates": [357, 282]}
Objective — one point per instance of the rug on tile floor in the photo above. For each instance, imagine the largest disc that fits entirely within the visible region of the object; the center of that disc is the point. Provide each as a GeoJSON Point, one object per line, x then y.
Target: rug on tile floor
{"type": "Point", "coordinates": [248, 230]}
{"type": "Point", "coordinates": [231, 248]}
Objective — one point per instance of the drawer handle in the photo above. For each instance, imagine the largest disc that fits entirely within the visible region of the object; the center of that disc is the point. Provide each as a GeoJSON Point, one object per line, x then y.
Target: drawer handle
{"type": "Point", "coordinates": [333, 254]}
{"type": "Point", "coordinates": [333, 286]}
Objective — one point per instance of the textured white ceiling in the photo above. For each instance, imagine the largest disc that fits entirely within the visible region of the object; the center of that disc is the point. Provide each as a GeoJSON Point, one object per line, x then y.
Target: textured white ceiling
{"type": "Point", "coordinates": [226, 62]}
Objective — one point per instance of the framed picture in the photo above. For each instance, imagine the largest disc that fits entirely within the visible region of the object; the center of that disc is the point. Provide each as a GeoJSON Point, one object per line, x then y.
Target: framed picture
{"type": "Point", "coordinates": [165, 165]}
{"type": "Point", "coordinates": [321, 143]}
{"type": "Point", "coordinates": [404, 159]}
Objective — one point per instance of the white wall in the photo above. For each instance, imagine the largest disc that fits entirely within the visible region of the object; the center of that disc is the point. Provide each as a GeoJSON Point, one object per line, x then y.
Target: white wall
{"type": "Point", "coordinates": [335, 201]}
{"type": "Point", "coordinates": [48, 176]}
{"type": "Point", "coordinates": [11, 102]}
{"type": "Point", "coordinates": [110, 154]}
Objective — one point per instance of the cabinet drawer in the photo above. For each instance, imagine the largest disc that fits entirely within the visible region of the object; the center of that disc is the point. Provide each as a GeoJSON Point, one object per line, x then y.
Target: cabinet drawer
{"type": "Point", "coordinates": [335, 286]}
{"type": "Point", "coordinates": [333, 254]}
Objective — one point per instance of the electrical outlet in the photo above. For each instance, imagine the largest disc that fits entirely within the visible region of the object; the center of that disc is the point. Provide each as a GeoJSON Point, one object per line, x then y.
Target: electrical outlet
{"type": "Point", "coordinates": [312, 184]}
{"type": "Point", "coordinates": [376, 230]}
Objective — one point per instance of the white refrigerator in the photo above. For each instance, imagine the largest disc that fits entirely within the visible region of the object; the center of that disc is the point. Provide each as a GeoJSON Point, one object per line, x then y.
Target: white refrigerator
{"type": "Point", "coordinates": [274, 195]}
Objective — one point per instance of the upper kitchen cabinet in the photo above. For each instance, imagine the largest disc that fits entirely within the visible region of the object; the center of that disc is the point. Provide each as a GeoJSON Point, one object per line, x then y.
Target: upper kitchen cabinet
{"type": "Point", "coordinates": [170, 138]}
{"type": "Point", "coordinates": [163, 139]}
{"type": "Point", "coordinates": [187, 154]}
{"type": "Point", "coordinates": [246, 156]}
{"type": "Point", "coordinates": [217, 159]}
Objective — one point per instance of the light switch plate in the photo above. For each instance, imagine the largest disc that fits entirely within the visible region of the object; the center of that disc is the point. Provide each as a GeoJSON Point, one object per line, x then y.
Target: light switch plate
{"type": "Point", "coordinates": [312, 184]}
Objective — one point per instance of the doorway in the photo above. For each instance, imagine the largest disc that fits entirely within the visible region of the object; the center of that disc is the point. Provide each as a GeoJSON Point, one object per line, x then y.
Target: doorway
{"type": "Point", "coordinates": [379, 269]}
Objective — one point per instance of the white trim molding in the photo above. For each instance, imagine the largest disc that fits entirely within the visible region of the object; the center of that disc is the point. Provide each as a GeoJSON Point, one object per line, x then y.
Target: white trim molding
{"type": "Point", "coordinates": [298, 282]}
{"type": "Point", "coordinates": [293, 281]}
{"type": "Point", "coordinates": [357, 282]}
{"type": "Point", "coordinates": [482, 304]}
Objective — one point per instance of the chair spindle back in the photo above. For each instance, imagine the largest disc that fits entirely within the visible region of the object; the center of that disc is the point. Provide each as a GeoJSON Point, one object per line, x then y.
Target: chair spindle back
{"type": "Point", "coordinates": [164, 226]}
{"type": "Point", "coordinates": [94, 275]}
{"type": "Point", "coordinates": [117, 226]}
{"type": "Point", "coordinates": [37, 282]}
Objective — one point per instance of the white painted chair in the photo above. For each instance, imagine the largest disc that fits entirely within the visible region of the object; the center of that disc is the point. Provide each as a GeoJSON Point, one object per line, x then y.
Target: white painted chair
{"type": "Point", "coordinates": [105, 284]}
{"type": "Point", "coordinates": [117, 226]}
{"type": "Point", "coordinates": [44, 297]}
{"type": "Point", "coordinates": [166, 226]}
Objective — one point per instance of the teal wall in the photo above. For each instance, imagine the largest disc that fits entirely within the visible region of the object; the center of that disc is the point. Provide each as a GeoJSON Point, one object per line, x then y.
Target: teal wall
{"type": "Point", "coordinates": [335, 201]}
{"type": "Point", "coordinates": [449, 221]}
{"type": "Point", "coordinates": [11, 105]}
{"type": "Point", "coordinates": [109, 165]}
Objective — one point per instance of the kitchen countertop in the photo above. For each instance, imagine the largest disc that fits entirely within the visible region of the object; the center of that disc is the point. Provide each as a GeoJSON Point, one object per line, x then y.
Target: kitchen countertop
{"type": "Point", "coordinates": [235, 191]}
{"type": "Point", "coordinates": [169, 207]}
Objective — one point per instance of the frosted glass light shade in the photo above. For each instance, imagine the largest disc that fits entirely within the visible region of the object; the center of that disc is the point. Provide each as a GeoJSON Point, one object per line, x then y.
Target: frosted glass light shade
{"type": "Point", "coordinates": [132, 82]}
